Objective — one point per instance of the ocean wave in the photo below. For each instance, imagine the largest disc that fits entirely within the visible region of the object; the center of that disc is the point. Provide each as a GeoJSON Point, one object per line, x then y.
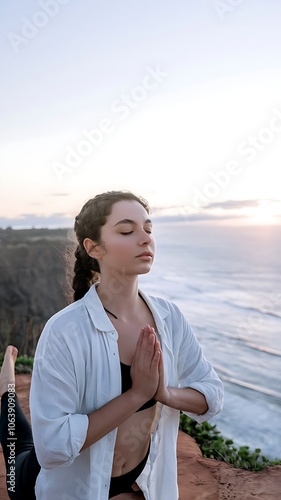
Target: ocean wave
{"type": "Point", "coordinates": [226, 376]}
{"type": "Point", "coordinates": [261, 348]}
{"type": "Point", "coordinates": [253, 309]}
{"type": "Point", "coordinates": [246, 343]}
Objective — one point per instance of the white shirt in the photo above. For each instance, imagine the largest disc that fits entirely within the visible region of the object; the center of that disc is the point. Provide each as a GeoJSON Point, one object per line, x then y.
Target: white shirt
{"type": "Point", "coordinates": [77, 370]}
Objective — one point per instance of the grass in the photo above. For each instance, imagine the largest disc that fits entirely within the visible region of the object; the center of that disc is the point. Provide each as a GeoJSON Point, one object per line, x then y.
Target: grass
{"type": "Point", "coordinates": [214, 445]}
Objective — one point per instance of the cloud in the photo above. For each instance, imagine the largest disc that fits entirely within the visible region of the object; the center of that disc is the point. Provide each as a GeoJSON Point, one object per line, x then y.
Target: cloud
{"type": "Point", "coordinates": [233, 204]}
{"type": "Point", "coordinates": [32, 220]}
{"type": "Point", "coordinates": [195, 217]}
{"type": "Point", "coordinates": [228, 210]}
{"type": "Point", "coordinates": [240, 204]}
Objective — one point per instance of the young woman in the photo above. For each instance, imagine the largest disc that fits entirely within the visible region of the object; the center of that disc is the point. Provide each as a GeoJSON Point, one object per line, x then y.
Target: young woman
{"type": "Point", "coordinates": [113, 369]}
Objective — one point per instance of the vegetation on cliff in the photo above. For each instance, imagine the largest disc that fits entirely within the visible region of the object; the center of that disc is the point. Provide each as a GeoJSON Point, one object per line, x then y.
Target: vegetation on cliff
{"type": "Point", "coordinates": [214, 445]}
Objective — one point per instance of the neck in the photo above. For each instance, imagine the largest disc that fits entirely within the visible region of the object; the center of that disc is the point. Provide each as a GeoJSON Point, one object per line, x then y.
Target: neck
{"type": "Point", "coordinates": [119, 299]}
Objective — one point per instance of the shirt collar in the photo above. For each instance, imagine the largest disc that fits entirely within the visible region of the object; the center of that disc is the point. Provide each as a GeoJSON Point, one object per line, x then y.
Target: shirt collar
{"type": "Point", "coordinates": [100, 318]}
{"type": "Point", "coordinates": [96, 310]}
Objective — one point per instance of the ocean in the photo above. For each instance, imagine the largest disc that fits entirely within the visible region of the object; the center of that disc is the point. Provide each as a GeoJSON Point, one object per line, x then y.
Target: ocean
{"type": "Point", "coordinates": [227, 282]}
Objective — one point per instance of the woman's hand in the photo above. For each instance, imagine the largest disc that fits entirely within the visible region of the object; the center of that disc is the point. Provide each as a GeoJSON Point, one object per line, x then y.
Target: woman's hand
{"type": "Point", "coordinates": [162, 393]}
{"type": "Point", "coordinates": [145, 364]}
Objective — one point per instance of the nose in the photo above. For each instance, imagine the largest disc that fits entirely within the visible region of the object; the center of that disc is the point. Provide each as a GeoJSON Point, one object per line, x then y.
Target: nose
{"type": "Point", "coordinates": [145, 238]}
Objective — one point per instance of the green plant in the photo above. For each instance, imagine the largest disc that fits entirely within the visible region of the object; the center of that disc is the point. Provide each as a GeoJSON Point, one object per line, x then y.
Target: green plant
{"type": "Point", "coordinates": [214, 445]}
{"type": "Point", "coordinates": [24, 363]}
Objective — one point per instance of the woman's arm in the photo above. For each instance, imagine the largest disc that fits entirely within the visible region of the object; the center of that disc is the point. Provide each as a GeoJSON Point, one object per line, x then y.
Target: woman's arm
{"type": "Point", "coordinates": [186, 399]}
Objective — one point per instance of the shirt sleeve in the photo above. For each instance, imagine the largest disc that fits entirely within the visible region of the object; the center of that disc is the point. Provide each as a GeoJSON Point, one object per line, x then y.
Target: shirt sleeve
{"type": "Point", "coordinates": [59, 430]}
{"type": "Point", "coordinates": [196, 372]}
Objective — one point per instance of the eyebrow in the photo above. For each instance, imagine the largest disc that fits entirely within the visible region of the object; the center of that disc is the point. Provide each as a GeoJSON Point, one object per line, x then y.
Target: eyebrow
{"type": "Point", "coordinates": [129, 221]}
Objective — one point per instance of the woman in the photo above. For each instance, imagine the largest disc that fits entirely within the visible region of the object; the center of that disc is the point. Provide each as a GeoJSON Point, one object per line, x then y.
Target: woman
{"type": "Point", "coordinates": [113, 370]}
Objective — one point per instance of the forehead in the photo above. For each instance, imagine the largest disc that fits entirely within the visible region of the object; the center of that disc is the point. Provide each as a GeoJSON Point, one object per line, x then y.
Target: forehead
{"type": "Point", "coordinates": [127, 209]}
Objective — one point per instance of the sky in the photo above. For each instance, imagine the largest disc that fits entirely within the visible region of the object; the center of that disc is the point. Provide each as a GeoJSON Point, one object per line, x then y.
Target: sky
{"type": "Point", "coordinates": [179, 102]}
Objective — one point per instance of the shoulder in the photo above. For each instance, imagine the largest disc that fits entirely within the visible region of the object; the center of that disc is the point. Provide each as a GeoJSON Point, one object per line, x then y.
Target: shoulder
{"type": "Point", "coordinates": [67, 314]}
{"type": "Point", "coordinates": [63, 326]}
{"type": "Point", "coordinates": [171, 307]}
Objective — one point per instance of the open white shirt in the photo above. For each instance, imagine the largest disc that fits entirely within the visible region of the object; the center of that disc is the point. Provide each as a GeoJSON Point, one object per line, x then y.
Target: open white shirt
{"type": "Point", "coordinates": [77, 370]}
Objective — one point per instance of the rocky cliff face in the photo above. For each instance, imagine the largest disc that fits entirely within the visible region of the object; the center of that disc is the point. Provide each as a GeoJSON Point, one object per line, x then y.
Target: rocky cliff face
{"type": "Point", "coordinates": [32, 283]}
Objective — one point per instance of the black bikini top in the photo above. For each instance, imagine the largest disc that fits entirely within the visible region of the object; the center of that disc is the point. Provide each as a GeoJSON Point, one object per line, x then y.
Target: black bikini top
{"type": "Point", "coordinates": [127, 384]}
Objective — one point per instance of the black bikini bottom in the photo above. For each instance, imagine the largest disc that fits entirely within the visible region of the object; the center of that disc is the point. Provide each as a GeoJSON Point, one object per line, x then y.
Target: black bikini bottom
{"type": "Point", "coordinates": [123, 484]}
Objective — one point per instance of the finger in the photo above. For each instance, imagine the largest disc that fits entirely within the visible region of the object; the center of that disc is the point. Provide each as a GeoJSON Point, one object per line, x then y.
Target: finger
{"type": "Point", "coordinates": [157, 346]}
{"type": "Point", "coordinates": [148, 351]}
{"type": "Point", "coordinates": [161, 366]}
{"type": "Point", "coordinates": [149, 338]}
{"type": "Point", "coordinates": [153, 346]}
{"type": "Point", "coordinates": [147, 329]}
{"type": "Point", "coordinates": [144, 346]}
{"type": "Point", "coordinates": [150, 329]}
{"type": "Point", "coordinates": [154, 366]}
{"type": "Point", "coordinates": [157, 354]}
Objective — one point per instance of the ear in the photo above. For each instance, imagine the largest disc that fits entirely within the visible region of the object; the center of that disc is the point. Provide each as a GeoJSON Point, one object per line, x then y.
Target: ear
{"type": "Point", "coordinates": [92, 249]}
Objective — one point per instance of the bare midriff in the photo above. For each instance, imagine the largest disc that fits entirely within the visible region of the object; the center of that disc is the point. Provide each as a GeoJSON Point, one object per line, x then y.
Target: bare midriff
{"type": "Point", "coordinates": [132, 441]}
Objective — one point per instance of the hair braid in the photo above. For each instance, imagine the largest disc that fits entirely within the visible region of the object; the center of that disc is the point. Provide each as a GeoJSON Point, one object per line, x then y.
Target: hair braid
{"type": "Point", "coordinates": [83, 273]}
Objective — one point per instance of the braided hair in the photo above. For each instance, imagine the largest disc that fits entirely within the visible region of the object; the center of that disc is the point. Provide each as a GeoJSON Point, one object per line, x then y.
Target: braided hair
{"type": "Point", "coordinates": [88, 224]}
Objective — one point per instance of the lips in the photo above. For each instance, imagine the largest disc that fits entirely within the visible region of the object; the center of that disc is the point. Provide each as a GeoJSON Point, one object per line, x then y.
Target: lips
{"type": "Point", "coordinates": [145, 254]}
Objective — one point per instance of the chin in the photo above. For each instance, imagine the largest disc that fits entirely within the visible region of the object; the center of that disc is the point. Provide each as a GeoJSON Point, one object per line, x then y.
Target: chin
{"type": "Point", "coordinates": [145, 271]}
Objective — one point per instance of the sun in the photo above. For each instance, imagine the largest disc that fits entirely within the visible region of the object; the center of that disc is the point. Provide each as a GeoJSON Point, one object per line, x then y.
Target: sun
{"type": "Point", "coordinates": [265, 214]}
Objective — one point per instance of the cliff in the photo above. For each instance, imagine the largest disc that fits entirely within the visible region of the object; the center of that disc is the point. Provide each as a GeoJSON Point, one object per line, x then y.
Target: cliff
{"type": "Point", "coordinates": [32, 283]}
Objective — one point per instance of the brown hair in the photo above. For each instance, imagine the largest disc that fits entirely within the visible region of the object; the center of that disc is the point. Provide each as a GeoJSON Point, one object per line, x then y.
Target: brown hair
{"type": "Point", "coordinates": [88, 224]}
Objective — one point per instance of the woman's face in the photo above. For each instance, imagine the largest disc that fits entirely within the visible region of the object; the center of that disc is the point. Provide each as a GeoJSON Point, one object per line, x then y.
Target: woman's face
{"type": "Point", "coordinates": [127, 243]}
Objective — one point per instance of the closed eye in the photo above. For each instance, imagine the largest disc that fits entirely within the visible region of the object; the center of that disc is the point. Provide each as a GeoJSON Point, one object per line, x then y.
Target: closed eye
{"type": "Point", "coordinates": [148, 231]}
